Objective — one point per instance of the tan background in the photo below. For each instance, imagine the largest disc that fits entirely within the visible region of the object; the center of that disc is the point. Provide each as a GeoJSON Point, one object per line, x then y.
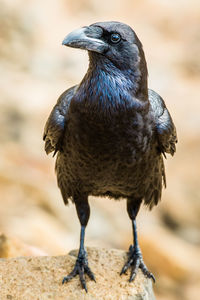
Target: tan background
{"type": "Point", "coordinates": [35, 70]}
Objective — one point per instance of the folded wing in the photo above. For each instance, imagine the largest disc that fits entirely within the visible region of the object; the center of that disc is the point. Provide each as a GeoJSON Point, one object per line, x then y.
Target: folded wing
{"type": "Point", "coordinates": [165, 129]}
{"type": "Point", "coordinates": [57, 121]}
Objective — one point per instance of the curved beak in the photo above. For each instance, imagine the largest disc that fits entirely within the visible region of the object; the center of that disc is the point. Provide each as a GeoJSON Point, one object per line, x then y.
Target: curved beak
{"type": "Point", "coordinates": [87, 38]}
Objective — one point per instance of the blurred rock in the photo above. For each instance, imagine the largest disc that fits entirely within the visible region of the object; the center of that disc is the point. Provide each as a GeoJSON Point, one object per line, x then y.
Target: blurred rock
{"type": "Point", "coordinates": [170, 256]}
{"type": "Point", "coordinates": [16, 37]}
{"type": "Point", "coordinates": [41, 278]}
{"type": "Point", "coordinates": [12, 247]}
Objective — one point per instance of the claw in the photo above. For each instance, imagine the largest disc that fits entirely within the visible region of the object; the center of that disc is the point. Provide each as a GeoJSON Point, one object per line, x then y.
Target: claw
{"type": "Point", "coordinates": [125, 267]}
{"type": "Point", "coordinates": [81, 267]}
{"type": "Point", "coordinates": [89, 273]}
{"type": "Point", "coordinates": [135, 261]}
{"type": "Point", "coordinates": [85, 287]}
{"type": "Point", "coordinates": [70, 276]}
{"type": "Point", "coordinates": [132, 277]}
{"type": "Point", "coordinates": [123, 271]}
{"type": "Point", "coordinates": [153, 278]}
{"type": "Point", "coordinates": [146, 271]}
{"type": "Point", "coordinates": [82, 278]}
{"type": "Point", "coordinates": [134, 270]}
{"type": "Point", "coordinates": [65, 279]}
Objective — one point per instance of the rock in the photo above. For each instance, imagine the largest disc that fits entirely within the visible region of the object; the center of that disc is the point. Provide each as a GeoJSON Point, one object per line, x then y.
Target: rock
{"type": "Point", "coordinates": [13, 247]}
{"type": "Point", "coordinates": [41, 278]}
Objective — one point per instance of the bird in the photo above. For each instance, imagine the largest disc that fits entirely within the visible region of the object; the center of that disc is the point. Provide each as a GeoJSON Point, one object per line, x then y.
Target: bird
{"type": "Point", "coordinates": [110, 134]}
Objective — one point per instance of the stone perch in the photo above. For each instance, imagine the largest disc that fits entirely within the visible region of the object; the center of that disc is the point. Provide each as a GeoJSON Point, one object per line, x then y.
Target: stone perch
{"type": "Point", "coordinates": [40, 278]}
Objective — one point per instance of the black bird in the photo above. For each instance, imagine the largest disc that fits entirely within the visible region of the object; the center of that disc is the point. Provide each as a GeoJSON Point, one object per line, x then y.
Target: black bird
{"type": "Point", "coordinates": [110, 133]}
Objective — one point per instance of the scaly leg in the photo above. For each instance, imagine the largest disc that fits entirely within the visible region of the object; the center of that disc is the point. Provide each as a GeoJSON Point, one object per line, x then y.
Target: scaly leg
{"type": "Point", "coordinates": [135, 260]}
{"type": "Point", "coordinates": [81, 266]}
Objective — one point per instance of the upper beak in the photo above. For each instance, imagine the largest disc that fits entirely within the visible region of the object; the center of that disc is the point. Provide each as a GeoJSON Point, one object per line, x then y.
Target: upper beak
{"type": "Point", "coordinates": [87, 38]}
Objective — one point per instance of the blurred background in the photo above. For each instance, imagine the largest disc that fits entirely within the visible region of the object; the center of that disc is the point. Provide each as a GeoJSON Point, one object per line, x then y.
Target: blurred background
{"type": "Point", "coordinates": [35, 70]}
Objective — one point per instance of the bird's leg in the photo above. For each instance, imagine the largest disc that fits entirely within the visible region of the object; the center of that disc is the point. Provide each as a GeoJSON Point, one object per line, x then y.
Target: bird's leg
{"type": "Point", "coordinates": [81, 266]}
{"type": "Point", "coordinates": [135, 260]}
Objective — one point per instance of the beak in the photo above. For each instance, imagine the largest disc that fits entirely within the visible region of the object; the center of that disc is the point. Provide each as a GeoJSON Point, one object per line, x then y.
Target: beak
{"type": "Point", "coordinates": [87, 38]}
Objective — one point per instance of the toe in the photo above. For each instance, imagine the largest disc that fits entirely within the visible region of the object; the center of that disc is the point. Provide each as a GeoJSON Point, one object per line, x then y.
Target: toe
{"type": "Point", "coordinates": [65, 279]}
{"type": "Point", "coordinates": [135, 262]}
{"type": "Point", "coordinates": [90, 273]}
{"type": "Point", "coordinates": [82, 278]}
{"type": "Point", "coordinates": [81, 267]}
{"type": "Point", "coordinates": [146, 271]}
{"type": "Point", "coordinates": [134, 269]}
{"type": "Point", "coordinates": [126, 266]}
{"type": "Point", "coordinates": [150, 275]}
{"type": "Point", "coordinates": [71, 275]}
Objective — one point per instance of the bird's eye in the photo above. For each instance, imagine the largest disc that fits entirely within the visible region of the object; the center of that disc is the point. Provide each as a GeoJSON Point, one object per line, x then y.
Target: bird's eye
{"type": "Point", "coordinates": [115, 38]}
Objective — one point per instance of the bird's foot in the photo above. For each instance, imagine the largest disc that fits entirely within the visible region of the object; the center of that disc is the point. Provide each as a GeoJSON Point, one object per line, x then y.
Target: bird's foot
{"type": "Point", "coordinates": [135, 261]}
{"type": "Point", "coordinates": [81, 267]}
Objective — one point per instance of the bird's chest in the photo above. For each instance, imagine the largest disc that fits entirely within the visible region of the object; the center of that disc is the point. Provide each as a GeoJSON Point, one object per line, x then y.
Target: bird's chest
{"type": "Point", "coordinates": [112, 136]}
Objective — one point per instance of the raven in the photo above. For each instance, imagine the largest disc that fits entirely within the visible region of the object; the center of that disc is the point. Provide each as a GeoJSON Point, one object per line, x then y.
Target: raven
{"type": "Point", "coordinates": [110, 133]}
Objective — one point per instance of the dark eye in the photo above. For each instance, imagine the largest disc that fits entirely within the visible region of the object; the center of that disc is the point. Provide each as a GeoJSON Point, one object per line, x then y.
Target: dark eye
{"type": "Point", "coordinates": [115, 38]}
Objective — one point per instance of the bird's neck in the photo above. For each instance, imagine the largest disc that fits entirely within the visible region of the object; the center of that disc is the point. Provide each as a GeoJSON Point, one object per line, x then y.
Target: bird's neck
{"type": "Point", "coordinates": [107, 85]}
{"type": "Point", "coordinates": [132, 79]}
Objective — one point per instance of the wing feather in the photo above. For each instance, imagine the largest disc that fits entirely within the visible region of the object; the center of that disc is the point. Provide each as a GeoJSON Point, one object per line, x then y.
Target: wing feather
{"type": "Point", "coordinates": [165, 128]}
{"type": "Point", "coordinates": [57, 121]}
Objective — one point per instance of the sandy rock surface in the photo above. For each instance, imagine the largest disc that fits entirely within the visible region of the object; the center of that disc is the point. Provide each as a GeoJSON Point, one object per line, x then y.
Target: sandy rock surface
{"type": "Point", "coordinates": [40, 278]}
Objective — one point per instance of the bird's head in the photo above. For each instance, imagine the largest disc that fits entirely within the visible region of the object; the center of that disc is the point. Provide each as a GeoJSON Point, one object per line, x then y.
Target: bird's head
{"type": "Point", "coordinates": [113, 46]}
{"type": "Point", "coordinates": [114, 40]}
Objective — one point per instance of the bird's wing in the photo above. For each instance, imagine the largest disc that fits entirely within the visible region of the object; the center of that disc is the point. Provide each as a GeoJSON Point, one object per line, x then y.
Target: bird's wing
{"type": "Point", "coordinates": [165, 129]}
{"type": "Point", "coordinates": [56, 123]}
